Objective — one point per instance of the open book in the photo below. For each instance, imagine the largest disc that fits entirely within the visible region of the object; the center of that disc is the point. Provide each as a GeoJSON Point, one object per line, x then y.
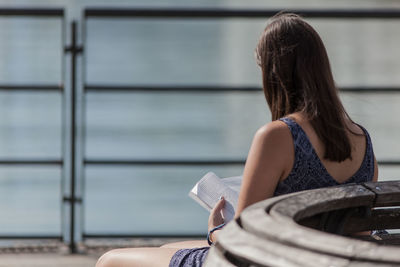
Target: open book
{"type": "Point", "coordinates": [208, 190]}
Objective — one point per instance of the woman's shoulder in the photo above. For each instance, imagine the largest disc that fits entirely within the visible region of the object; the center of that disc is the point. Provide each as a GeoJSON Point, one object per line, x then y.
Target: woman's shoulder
{"type": "Point", "coordinates": [276, 132]}
{"type": "Point", "coordinates": [273, 148]}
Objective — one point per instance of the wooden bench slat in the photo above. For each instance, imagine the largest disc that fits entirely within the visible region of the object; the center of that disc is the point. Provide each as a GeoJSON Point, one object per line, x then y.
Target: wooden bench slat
{"type": "Point", "coordinates": [265, 252]}
{"type": "Point", "coordinates": [265, 226]}
{"type": "Point", "coordinates": [321, 200]}
{"type": "Point", "coordinates": [284, 230]}
{"type": "Point", "coordinates": [268, 233]}
{"type": "Point", "coordinates": [370, 264]}
{"type": "Point", "coordinates": [380, 219]}
{"type": "Point", "coordinates": [215, 257]}
{"type": "Point", "coordinates": [387, 193]}
{"type": "Point", "coordinates": [382, 239]}
{"type": "Point", "coordinates": [271, 202]}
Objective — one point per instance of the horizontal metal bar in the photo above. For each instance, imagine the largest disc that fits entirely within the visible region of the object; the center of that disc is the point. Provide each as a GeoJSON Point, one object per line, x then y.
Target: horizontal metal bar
{"type": "Point", "coordinates": [150, 162]}
{"type": "Point", "coordinates": [163, 162]}
{"type": "Point", "coordinates": [173, 88]}
{"type": "Point", "coordinates": [389, 162]}
{"type": "Point", "coordinates": [129, 235]}
{"type": "Point", "coordinates": [56, 162]}
{"type": "Point", "coordinates": [192, 162]}
{"type": "Point", "coordinates": [35, 12]}
{"type": "Point", "coordinates": [240, 13]}
{"type": "Point", "coordinates": [369, 89]}
{"type": "Point", "coordinates": [22, 236]}
{"type": "Point", "coordinates": [27, 87]}
{"type": "Point", "coordinates": [178, 88]}
{"type": "Point", "coordinates": [217, 88]}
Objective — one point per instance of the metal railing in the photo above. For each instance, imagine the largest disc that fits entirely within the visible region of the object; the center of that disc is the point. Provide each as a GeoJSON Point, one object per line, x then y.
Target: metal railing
{"type": "Point", "coordinates": [206, 13]}
{"type": "Point", "coordinates": [65, 106]}
{"type": "Point", "coordinates": [76, 50]}
{"type": "Point", "coordinates": [194, 13]}
{"type": "Point", "coordinates": [57, 88]}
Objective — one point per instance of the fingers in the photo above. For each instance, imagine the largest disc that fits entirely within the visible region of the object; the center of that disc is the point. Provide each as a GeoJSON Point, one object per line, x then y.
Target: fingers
{"type": "Point", "coordinates": [216, 217]}
{"type": "Point", "coordinates": [219, 206]}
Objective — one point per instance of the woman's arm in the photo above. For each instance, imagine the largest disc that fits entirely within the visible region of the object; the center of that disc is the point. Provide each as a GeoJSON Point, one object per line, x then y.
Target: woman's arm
{"type": "Point", "coordinates": [270, 155]}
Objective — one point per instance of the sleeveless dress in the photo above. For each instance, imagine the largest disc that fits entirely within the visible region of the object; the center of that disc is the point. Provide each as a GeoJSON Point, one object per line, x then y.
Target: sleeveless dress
{"type": "Point", "coordinates": [308, 172]}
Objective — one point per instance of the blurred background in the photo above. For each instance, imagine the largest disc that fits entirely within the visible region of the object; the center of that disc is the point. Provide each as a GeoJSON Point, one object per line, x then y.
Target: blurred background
{"type": "Point", "coordinates": [158, 102]}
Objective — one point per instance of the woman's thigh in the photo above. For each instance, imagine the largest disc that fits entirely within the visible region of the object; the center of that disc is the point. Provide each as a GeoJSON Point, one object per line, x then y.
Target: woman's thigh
{"type": "Point", "coordinates": [132, 257]}
{"type": "Point", "coordinates": [186, 244]}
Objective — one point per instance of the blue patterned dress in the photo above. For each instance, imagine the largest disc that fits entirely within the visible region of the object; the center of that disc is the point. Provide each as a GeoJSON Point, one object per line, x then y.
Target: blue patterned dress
{"type": "Point", "coordinates": [308, 173]}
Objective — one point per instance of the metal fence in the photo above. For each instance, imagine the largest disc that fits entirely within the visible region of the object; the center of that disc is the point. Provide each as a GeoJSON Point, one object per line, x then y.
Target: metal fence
{"type": "Point", "coordinates": [74, 55]}
{"type": "Point", "coordinates": [34, 88]}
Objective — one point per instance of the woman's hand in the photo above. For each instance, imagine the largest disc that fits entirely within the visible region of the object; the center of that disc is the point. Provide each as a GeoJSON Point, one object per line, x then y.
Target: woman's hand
{"type": "Point", "coordinates": [216, 218]}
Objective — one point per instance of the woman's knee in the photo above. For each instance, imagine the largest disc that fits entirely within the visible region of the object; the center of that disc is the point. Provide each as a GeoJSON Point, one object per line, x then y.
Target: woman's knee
{"type": "Point", "coordinates": [132, 257]}
{"type": "Point", "coordinates": [108, 259]}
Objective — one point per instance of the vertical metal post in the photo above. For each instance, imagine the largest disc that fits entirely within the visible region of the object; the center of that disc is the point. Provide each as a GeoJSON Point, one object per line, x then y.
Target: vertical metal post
{"type": "Point", "coordinates": [73, 136]}
{"type": "Point", "coordinates": [72, 244]}
{"type": "Point", "coordinates": [74, 49]}
{"type": "Point", "coordinates": [64, 123]}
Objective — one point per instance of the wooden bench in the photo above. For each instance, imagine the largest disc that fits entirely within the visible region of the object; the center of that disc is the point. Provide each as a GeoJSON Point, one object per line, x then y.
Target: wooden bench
{"type": "Point", "coordinates": [315, 228]}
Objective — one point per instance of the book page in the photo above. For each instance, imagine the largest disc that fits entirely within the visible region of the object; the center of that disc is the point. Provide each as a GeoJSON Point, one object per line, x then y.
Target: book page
{"type": "Point", "coordinates": [210, 188]}
{"type": "Point", "coordinates": [233, 182]}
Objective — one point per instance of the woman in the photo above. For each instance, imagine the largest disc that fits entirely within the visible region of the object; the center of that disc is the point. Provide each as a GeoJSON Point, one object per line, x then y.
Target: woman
{"type": "Point", "coordinates": [310, 143]}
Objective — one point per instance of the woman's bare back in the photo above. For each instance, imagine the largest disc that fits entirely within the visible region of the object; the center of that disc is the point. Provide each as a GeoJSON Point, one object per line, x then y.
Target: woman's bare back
{"type": "Point", "coordinates": [340, 171]}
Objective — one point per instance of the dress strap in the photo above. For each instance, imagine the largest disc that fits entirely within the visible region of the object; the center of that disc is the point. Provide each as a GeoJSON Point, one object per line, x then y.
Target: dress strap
{"type": "Point", "coordinates": [291, 123]}
{"type": "Point", "coordinates": [295, 129]}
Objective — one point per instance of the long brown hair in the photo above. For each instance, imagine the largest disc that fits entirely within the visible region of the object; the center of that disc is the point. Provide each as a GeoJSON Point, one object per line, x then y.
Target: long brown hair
{"type": "Point", "coordinates": [297, 77]}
